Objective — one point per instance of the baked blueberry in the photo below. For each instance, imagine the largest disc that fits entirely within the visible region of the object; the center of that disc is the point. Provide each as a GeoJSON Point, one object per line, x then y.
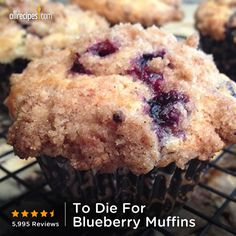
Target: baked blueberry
{"type": "Point", "coordinates": [103, 49]}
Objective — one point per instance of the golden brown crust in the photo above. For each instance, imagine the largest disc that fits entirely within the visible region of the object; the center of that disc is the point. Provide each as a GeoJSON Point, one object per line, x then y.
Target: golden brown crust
{"type": "Point", "coordinates": [30, 39]}
{"type": "Point", "coordinates": [213, 15]}
{"type": "Point", "coordinates": [101, 120]}
{"type": "Point", "coordinates": [147, 12]}
{"type": "Point", "coordinates": [74, 118]}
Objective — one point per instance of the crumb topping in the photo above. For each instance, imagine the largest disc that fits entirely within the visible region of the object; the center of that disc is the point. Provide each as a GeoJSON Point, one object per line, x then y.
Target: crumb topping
{"type": "Point", "coordinates": [147, 12]}
{"type": "Point", "coordinates": [31, 39]}
{"type": "Point", "coordinates": [213, 16]}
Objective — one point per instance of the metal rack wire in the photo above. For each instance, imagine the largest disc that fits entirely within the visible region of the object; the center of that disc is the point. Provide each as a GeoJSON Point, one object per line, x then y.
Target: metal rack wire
{"type": "Point", "coordinates": [37, 188]}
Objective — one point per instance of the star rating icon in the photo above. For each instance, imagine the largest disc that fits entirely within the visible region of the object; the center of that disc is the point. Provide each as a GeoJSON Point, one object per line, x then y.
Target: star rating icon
{"type": "Point", "coordinates": [15, 213]}
{"type": "Point", "coordinates": [33, 214]}
{"type": "Point", "coordinates": [52, 213]}
{"type": "Point", "coordinates": [43, 213]}
{"type": "Point", "coordinates": [24, 213]}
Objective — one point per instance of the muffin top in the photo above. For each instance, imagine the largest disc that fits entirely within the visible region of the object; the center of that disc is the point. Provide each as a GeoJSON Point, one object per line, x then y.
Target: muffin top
{"type": "Point", "coordinates": [147, 12]}
{"type": "Point", "coordinates": [215, 17]}
{"type": "Point", "coordinates": [129, 97]}
{"type": "Point", "coordinates": [56, 26]}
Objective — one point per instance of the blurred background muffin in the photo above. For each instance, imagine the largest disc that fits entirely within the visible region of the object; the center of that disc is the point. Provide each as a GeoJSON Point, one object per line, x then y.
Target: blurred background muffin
{"type": "Point", "coordinates": [23, 40]}
{"type": "Point", "coordinates": [216, 22]}
{"type": "Point", "coordinates": [146, 12]}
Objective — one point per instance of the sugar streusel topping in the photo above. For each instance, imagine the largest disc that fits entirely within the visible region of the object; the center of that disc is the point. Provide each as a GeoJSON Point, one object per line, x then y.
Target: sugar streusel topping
{"type": "Point", "coordinates": [30, 39]}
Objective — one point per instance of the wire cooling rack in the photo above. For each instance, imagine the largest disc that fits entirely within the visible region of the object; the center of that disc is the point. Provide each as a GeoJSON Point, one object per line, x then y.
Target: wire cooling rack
{"type": "Point", "coordinates": [213, 204]}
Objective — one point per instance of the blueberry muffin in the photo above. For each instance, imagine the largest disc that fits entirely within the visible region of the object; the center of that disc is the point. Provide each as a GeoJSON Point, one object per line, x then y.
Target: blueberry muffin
{"type": "Point", "coordinates": [147, 12]}
{"type": "Point", "coordinates": [22, 40]}
{"type": "Point", "coordinates": [216, 22]}
{"type": "Point", "coordinates": [130, 113]}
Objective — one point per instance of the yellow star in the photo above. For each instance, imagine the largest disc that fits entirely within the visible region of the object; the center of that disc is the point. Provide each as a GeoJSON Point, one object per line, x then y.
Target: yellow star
{"type": "Point", "coordinates": [34, 213]}
{"type": "Point", "coordinates": [43, 213]}
{"type": "Point", "coordinates": [52, 213]}
{"type": "Point", "coordinates": [24, 213]}
{"type": "Point", "coordinates": [15, 213]}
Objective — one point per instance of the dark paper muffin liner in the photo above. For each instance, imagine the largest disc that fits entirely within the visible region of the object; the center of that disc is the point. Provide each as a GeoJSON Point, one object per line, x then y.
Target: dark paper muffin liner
{"type": "Point", "coordinates": [162, 190]}
{"type": "Point", "coordinates": [223, 53]}
{"type": "Point", "coordinates": [17, 66]}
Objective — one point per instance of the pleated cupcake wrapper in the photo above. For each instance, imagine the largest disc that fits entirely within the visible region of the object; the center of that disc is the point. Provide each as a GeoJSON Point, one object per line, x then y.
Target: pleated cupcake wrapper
{"type": "Point", "coordinates": [161, 190]}
{"type": "Point", "coordinates": [223, 53]}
